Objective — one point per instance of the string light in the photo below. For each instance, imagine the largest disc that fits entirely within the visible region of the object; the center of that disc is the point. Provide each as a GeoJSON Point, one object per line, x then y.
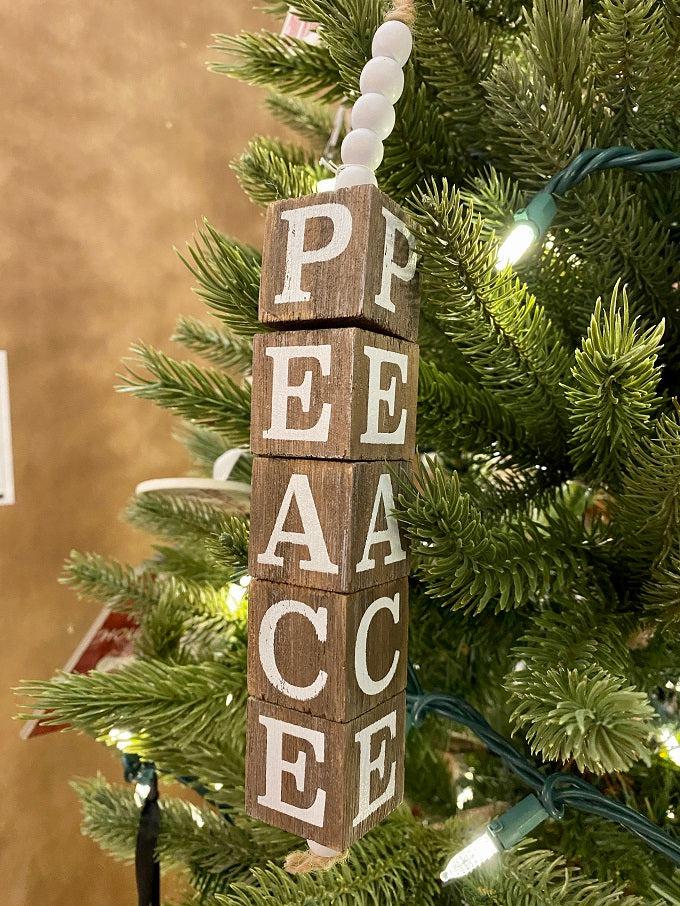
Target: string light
{"type": "Point", "coordinates": [516, 245]}
{"type": "Point", "coordinates": [142, 790]}
{"type": "Point", "coordinates": [119, 738]}
{"type": "Point", "coordinates": [472, 857]}
{"type": "Point", "coordinates": [532, 222]}
{"type": "Point", "coordinates": [502, 833]}
{"type": "Point", "coordinates": [554, 791]}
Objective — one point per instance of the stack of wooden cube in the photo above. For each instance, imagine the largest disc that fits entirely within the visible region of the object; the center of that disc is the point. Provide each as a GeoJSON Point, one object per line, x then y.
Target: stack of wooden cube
{"type": "Point", "coordinates": [333, 432]}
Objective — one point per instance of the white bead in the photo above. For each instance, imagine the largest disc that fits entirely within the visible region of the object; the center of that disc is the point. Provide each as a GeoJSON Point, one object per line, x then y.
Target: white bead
{"type": "Point", "coordinates": [373, 111]}
{"type": "Point", "coordinates": [354, 175]}
{"type": "Point", "coordinates": [326, 185]}
{"type": "Point", "coordinates": [393, 39]}
{"type": "Point", "coordinates": [384, 75]}
{"type": "Point", "coordinates": [320, 850]}
{"type": "Point", "coordinates": [362, 147]}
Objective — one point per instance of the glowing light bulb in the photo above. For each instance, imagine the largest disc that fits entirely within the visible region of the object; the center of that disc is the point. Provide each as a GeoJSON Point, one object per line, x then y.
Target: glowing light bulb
{"type": "Point", "coordinates": [522, 236]}
{"type": "Point", "coordinates": [467, 860]}
{"type": "Point", "coordinates": [233, 600]}
{"type": "Point", "coordinates": [465, 795]}
{"type": "Point", "coordinates": [671, 746]}
{"type": "Point", "coordinates": [142, 790]}
{"type": "Point", "coordinates": [502, 833]}
{"type": "Point", "coordinates": [119, 738]}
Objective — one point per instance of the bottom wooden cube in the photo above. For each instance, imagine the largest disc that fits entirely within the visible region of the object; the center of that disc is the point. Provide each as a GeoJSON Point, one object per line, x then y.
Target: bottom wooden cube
{"type": "Point", "coordinates": [324, 781]}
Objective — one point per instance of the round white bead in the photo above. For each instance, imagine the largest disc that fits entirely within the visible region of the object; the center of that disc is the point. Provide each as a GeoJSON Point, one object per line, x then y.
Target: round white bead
{"type": "Point", "coordinates": [354, 175]}
{"type": "Point", "coordinates": [373, 111]}
{"type": "Point", "coordinates": [320, 850]}
{"type": "Point", "coordinates": [362, 147]}
{"type": "Point", "coordinates": [383, 75]}
{"type": "Point", "coordinates": [393, 39]}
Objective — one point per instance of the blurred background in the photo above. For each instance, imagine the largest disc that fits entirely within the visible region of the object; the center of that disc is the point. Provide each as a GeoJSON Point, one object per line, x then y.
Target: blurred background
{"type": "Point", "coordinates": [116, 141]}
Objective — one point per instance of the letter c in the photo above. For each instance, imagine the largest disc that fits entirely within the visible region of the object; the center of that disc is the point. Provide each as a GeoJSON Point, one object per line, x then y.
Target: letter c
{"type": "Point", "coordinates": [318, 619]}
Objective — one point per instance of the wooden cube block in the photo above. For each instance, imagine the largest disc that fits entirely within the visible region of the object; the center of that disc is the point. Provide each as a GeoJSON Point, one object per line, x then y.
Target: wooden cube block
{"type": "Point", "coordinates": [346, 257]}
{"type": "Point", "coordinates": [331, 655]}
{"type": "Point", "coordinates": [336, 393]}
{"type": "Point", "coordinates": [326, 524]}
{"type": "Point", "coordinates": [325, 781]}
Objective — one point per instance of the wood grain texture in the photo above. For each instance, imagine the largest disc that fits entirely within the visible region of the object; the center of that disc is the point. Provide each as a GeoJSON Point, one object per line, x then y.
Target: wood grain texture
{"type": "Point", "coordinates": [325, 781]}
{"type": "Point", "coordinates": [326, 259]}
{"type": "Point", "coordinates": [326, 524]}
{"type": "Point", "coordinates": [326, 654]}
{"type": "Point", "coordinates": [335, 393]}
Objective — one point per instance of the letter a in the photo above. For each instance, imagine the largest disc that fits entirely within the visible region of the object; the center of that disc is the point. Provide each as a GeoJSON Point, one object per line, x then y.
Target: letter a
{"type": "Point", "coordinates": [389, 535]}
{"type": "Point", "coordinates": [311, 535]}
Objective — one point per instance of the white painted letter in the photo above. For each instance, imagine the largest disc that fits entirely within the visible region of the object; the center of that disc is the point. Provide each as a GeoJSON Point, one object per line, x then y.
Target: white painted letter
{"type": "Point", "coordinates": [366, 683]}
{"type": "Point", "coordinates": [296, 256]}
{"type": "Point", "coordinates": [377, 395]}
{"type": "Point", "coordinates": [390, 534]}
{"type": "Point", "coordinates": [319, 620]}
{"type": "Point", "coordinates": [276, 767]}
{"type": "Point", "coordinates": [311, 536]}
{"type": "Point", "coordinates": [367, 766]}
{"type": "Point", "coordinates": [282, 391]}
{"type": "Point", "coordinates": [404, 272]}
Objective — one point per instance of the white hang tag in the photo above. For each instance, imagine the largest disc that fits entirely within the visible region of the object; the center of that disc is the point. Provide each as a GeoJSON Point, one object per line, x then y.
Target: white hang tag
{"type": "Point", "coordinates": [224, 464]}
{"type": "Point", "coordinates": [236, 493]}
{"type": "Point", "coordinates": [6, 463]}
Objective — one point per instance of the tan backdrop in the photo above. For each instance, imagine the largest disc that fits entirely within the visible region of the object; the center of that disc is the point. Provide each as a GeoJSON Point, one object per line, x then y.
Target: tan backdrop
{"type": "Point", "coordinates": [115, 141]}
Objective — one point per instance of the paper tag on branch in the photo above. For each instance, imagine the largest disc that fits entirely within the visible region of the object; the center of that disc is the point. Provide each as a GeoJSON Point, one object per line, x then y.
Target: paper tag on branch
{"type": "Point", "coordinates": [294, 27]}
{"type": "Point", "coordinates": [107, 645]}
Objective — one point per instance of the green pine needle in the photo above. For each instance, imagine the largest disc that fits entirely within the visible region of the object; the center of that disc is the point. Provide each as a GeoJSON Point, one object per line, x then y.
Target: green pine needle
{"type": "Point", "coordinates": [203, 396]}
{"type": "Point", "coordinates": [591, 717]}
{"type": "Point", "coordinates": [614, 391]}
{"type": "Point", "coordinates": [216, 346]}
{"type": "Point", "coordinates": [228, 276]}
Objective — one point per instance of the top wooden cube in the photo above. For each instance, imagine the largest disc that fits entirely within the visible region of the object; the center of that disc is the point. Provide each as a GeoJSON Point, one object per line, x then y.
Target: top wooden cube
{"type": "Point", "coordinates": [344, 257]}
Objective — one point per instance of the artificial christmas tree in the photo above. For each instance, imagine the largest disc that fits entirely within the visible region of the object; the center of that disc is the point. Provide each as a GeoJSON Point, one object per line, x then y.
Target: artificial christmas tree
{"type": "Point", "coordinates": [544, 518]}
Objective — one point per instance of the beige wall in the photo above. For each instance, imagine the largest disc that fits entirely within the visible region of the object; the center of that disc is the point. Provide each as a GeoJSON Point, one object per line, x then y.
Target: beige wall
{"type": "Point", "coordinates": [115, 141]}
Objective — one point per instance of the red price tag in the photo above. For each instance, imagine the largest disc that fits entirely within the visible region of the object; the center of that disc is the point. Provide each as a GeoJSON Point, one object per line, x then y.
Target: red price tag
{"type": "Point", "coordinates": [105, 646]}
{"type": "Point", "coordinates": [294, 27]}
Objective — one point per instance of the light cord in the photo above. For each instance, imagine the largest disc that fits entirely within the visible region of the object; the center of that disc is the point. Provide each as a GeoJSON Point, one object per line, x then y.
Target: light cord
{"type": "Point", "coordinates": [657, 160]}
{"type": "Point", "coordinates": [533, 221]}
{"type": "Point", "coordinates": [555, 791]}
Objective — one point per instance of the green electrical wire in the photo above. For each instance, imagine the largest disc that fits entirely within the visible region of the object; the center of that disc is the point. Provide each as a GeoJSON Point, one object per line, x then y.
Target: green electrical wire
{"type": "Point", "coordinates": [533, 221]}
{"type": "Point", "coordinates": [555, 791]}
{"type": "Point", "coordinates": [658, 160]}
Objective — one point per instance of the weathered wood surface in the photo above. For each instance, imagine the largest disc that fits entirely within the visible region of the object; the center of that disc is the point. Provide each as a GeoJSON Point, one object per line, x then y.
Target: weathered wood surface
{"type": "Point", "coordinates": [335, 393]}
{"type": "Point", "coordinates": [326, 781]}
{"type": "Point", "coordinates": [326, 524]}
{"type": "Point", "coordinates": [327, 654]}
{"type": "Point", "coordinates": [344, 257]}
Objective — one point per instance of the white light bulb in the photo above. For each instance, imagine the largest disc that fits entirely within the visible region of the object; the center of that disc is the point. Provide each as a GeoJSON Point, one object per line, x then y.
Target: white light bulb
{"type": "Point", "coordinates": [119, 738]}
{"type": "Point", "coordinates": [467, 860]}
{"type": "Point", "coordinates": [671, 746]}
{"type": "Point", "coordinates": [234, 598]}
{"type": "Point", "coordinates": [142, 790]}
{"type": "Point", "coordinates": [517, 243]}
